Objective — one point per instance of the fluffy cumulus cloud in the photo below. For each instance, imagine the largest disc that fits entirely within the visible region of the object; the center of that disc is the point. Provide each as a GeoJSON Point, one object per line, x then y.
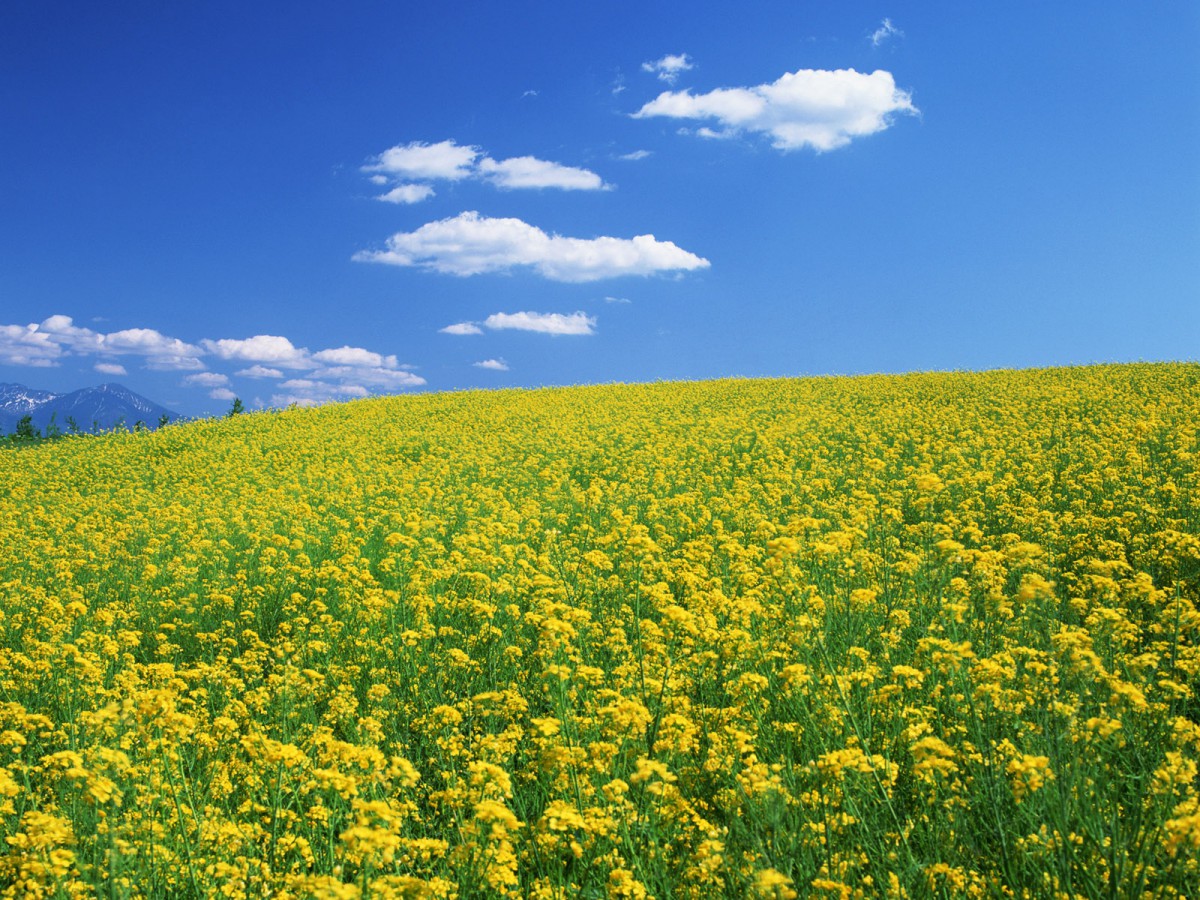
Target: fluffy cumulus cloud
{"type": "Point", "coordinates": [471, 244]}
{"type": "Point", "coordinates": [45, 343]}
{"type": "Point", "coordinates": [161, 352]}
{"type": "Point", "coordinates": [544, 323]}
{"type": "Point", "coordinates": [410, 168]}
{"type": "Point", "coordinates": [26, 345]}
{"type": "Point", "coordinates": [496, 365]}
{"type": "Point", "coordinates": [419, 161]}
{"type": "Point", "coordinates": [355, 356]}
{"type": "Point", "coordinates": [815, 108]}
{"type": "Point", "coordinates": [262, 348]}
{"type": "Point", "coordinates": [669, 67]}
{"type": "Point", "coordinates": [332, 374]}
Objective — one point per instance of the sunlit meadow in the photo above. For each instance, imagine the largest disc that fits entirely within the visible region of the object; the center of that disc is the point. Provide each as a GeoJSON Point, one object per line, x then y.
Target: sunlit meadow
{"type": "Point", "coordinates": [921, 636]}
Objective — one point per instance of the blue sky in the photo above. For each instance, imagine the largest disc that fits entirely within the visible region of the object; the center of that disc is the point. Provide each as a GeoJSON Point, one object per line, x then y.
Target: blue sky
{"type": "Point", "coordinates": [303, 202]}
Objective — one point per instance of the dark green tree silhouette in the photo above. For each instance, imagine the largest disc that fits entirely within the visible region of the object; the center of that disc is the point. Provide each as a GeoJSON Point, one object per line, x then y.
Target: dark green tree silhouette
{"type": "Point", "coordinates": [25, 430]}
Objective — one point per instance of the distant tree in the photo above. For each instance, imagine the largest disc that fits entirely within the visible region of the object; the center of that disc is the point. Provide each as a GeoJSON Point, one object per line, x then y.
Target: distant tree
{"type": "Point", "coordinates": [236, 409]}
{"type": "Point", "coordinates": [163, 420]}
{"type": "Point", "coordinates": [52, 429]}
{"type": "Point", "coordinates": [72, 425]}
{"type": "Point", "coordinates": [139, 425]}
{"type": "Point", "coordinates": [25, 430]}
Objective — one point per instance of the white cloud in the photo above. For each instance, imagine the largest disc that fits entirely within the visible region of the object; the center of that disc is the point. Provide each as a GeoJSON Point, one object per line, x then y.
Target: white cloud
{"type": "Point", "coordinates": [222, 394]}
{"type": "Point", "coordinates": [355, 356]}
{"type": "Point", "coordinates": [814, 108]}
{"type": "Point", "coordinates": [412, 166]}
{"type": "Point", "coordinates": [471, 244]}
{"type": "Point", "coordinates": [635, 155]}
{"type": "Point", "coordinates": [64, 332]}
{"type": "Point", "coordinates": [419, 161]}
{"type": "Point", "coordinates": [668, 68]}
{"type": "Point", "coordinates": [461, 328]}
{"type": "Point", "coordinates": [407, 193]}
{"type": "Point", "coordinates": [146, 342]}
{"type": "Point", "coordinates": [545, 323]}
{"type": "Point", "coordinates": [335, 372]}
{"type": "Point", "coordinates": [206, 379]}
{"type": "Point", "coordinates": [885, 30]}
{"type": "Point", "coordinates": [617, 300]}
{"type": "Point", "coordinates": [262, 348]}
{"type": "Point", "coordinates": [257, 371]}
{"type": "Point", "coordinates": [58, 336]}
{"type": "Point", "coordinates": [25, 345]}
{"type": "Point", "coordinates": [376, 377]}
{"type": "Point", "coordinates": [307, 392]}
{"type": "Point", "coordinates": [530, 172]}
{"type": "Point", "coordinates": [496, 365]}
{"type": "Point", "coordinates": [161, 352]}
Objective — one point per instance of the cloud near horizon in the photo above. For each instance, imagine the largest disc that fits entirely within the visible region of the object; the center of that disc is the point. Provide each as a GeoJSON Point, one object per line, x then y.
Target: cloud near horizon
{"type": "Point", "coordinates": [496, 365]}
{"type": "Point", "coordinates": [331, 373]}
{"type": "Point", "coordinates": [410, 167]}
{"type": "Point", "coordinates": [815, 108]}
{"type": "Point", "coordinates": [471, 244]}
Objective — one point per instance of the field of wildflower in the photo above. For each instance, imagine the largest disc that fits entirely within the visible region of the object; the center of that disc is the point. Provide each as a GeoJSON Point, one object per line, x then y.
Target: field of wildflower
{"type": "Point", "coordinates": [933, 635]}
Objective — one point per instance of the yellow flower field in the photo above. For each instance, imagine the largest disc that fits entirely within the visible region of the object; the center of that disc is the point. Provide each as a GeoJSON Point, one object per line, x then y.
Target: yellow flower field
{"type": "Point", "coordinates": [921, 636]}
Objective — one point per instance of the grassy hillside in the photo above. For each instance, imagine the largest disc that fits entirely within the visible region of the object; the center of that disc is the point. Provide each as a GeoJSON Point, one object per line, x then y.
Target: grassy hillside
{"type": "Point", "coordinates": [931, 635]}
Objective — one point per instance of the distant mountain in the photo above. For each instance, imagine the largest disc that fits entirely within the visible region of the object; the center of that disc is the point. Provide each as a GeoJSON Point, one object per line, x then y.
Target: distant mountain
{"type": "Point", "coordinates": [100, 408]}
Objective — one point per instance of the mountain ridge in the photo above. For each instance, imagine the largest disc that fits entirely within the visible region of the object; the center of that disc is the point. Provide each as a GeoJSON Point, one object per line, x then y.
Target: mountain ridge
{"type": "Point", "coordinates": [103, 407]}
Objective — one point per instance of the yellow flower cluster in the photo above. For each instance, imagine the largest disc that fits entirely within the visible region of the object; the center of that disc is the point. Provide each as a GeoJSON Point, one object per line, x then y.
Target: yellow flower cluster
{"type": "Point", "coordinates": [930, 635]}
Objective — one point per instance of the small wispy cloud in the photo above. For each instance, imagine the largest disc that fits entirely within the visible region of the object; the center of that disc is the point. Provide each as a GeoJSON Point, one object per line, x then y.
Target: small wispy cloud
{"type": "Point", "coordinates": [617, 300]}
{"type": "Point", "coordinates": [471, 244]}
{"type": "Point", "coordinates": [669, 67]}
{"type": "Point", "coordinates": [407, 193]}
{"type": "Point", "coordinates": [110, 369]}
{"type": "Point", "coordinates": [206, 379]}
{"type": "Point", "coordinates": [257, 371]}
{"type": "Point", "coordinates": [496, 365]}
{"type": "Point", "coordinates": [885, 32]}
{"type": "Point", "coordinates": [576, 323]}
{"type": "Point", "coordinates": [531, 172]}
{"type": "Point", "coordinates": [461, 328]}
{"type": "Point", "coordinates": [635, 155]}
